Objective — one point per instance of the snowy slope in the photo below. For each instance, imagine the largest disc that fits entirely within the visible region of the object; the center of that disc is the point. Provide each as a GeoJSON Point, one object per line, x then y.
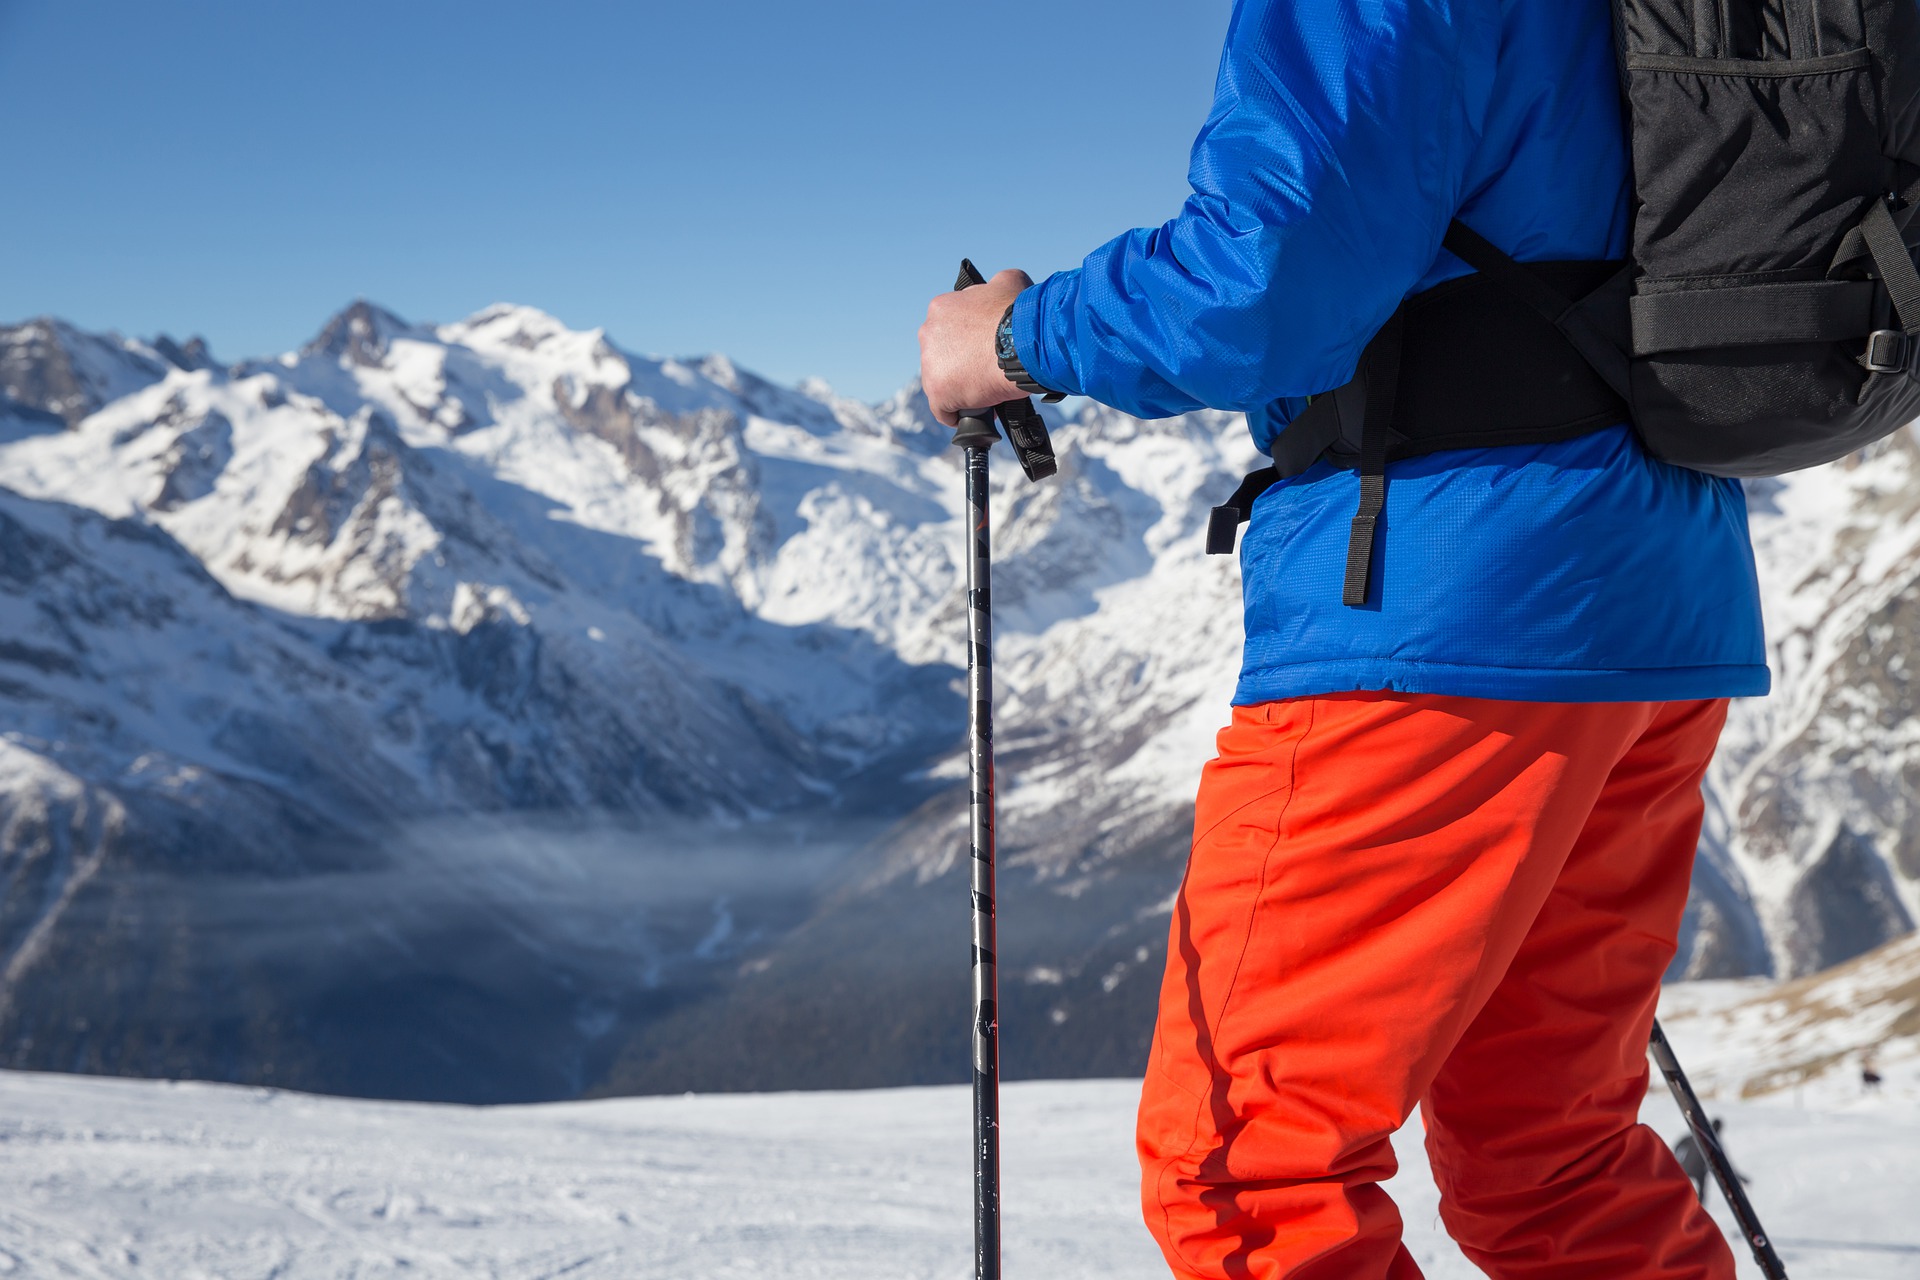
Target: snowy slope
{"type": "Point", "coordinates": [275, 616]}
{"type": "Point", "coordinates": [1809, 1039]}
{"type": "Point", "coordinates": [118, 1180]}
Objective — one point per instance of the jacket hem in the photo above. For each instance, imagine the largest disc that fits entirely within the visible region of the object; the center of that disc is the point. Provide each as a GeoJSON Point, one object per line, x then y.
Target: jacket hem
{"type": "Point", "coordinates": [1507, 684]}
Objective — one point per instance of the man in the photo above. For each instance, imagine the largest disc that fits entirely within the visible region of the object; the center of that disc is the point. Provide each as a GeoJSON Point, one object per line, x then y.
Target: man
{"type": "Point", "coordinates": [1693, 1161]}
{"type": "Point", "coordinates": [1442, 855]}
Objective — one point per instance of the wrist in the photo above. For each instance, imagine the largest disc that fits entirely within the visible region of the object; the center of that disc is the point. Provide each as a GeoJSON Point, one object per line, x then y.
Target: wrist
{"type": "Point", "coordinates": [1008, 357]}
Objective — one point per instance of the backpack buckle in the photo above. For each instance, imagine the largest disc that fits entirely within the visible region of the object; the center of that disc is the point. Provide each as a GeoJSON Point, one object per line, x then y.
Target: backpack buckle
{"type": "Point", "coordinates": [1888, 351]}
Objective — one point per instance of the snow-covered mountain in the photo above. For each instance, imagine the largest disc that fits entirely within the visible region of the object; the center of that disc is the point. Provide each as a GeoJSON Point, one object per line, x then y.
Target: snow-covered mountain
{"type": "Point", "coordinates": [1812, 854]}
{"type": "Point", "coordinates": [276, 636]}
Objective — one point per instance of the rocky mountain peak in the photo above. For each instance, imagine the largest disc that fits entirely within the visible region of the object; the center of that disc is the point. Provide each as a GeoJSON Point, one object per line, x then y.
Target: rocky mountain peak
{"type": "Point", "coordinates": [50, 367]}
{"type": "Point", "coordinates": [360, 335]}
{"type": "Point", "coordinates": [191, 355]}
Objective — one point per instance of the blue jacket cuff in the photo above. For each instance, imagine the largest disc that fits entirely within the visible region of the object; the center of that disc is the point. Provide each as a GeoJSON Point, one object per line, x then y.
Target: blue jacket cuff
{"type": "Point", "coordinates": [1038, 337]}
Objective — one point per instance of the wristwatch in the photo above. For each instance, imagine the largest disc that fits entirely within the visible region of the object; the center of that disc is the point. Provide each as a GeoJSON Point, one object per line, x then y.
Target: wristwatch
{"type": "Point", "coordinates": [1010, 365]}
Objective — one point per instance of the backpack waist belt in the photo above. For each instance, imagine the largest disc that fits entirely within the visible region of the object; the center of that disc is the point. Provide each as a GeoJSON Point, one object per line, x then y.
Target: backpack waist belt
{"type": "Point", "coordinates": [1500, 357]}
{"type": "Point", "coordinates": [1508, 356]}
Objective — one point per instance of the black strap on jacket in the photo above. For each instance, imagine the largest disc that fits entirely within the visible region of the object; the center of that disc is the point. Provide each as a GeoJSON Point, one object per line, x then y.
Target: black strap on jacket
{"type": "Point", "coordinates": [1504, 356]}
{"type": "Point", "coordinates": [1224, 521]}
{"type": "Point", "coordinates": [1383, 389]}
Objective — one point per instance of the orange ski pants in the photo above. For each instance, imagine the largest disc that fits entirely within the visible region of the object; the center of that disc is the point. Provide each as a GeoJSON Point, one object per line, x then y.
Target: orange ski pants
{"type": "Point", "coordinates": [1461, 903]}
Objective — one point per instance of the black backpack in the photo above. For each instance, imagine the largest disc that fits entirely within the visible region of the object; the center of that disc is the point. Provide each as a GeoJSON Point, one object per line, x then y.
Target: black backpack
{"type": "Point", "coordinates": [1768, 318]}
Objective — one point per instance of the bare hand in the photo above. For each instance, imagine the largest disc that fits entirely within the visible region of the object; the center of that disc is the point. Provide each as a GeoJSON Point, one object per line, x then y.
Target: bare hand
{"type": "Point", "coordinates": [958, 369]}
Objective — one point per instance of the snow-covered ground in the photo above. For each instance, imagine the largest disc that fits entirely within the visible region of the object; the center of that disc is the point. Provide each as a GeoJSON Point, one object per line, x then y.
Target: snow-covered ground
{"type": "Point", "coordinates": [113, 1178]}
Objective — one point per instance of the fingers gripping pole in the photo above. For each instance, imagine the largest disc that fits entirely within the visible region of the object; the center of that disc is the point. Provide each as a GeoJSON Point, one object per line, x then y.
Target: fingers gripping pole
{"type": "Point", "coordinates": [1708, 1141]}
{"type": "Point", "coordinates": [976, 436]}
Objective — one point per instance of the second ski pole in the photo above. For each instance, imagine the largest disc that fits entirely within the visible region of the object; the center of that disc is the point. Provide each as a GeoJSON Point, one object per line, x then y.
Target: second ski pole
{"type": "Point", "coordinates": [1709, 1143]}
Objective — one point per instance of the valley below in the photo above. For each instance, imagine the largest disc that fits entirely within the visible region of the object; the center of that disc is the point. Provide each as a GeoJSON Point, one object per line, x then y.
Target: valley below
{"type": "Point", "coordinates": [479, 712]}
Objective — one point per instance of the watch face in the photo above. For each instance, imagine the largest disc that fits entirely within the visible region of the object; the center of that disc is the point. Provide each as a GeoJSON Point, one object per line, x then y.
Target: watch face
{"type": "Point", "coordinates": [1003, 339]}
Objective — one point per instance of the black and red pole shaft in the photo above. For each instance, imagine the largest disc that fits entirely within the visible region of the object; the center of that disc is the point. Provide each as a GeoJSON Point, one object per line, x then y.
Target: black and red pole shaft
{"type": "Point", "coordinates": [1708, 1140]}
{"type": "Point", "coordinates": [976, 434]}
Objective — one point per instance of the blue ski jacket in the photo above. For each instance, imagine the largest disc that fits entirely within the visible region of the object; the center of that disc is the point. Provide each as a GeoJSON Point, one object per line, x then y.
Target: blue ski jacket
{"type": "Point", "coordinates": [1344, 136]}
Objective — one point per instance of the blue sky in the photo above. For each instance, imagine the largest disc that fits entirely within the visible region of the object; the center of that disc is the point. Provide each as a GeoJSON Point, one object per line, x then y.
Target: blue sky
{"type": "Point", "coordinates": [784, 182]}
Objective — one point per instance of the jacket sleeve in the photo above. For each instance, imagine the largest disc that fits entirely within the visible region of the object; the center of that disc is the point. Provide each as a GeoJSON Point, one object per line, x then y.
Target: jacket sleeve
{"type": "Point", "coordinates": [1322, 181]}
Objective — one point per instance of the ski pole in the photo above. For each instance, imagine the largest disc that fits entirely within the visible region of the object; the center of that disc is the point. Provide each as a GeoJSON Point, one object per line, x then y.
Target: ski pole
{"type": "Point", "coordinates": [1709, 1143]}
{"type": "Point", "coordinates": [976, 434]}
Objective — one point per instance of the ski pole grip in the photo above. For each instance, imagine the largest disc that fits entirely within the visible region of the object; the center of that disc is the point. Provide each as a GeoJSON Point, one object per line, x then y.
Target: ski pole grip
{"type": "Point", "coordinates": [1025, 427]}
{"type": "Point", "coordinates": [975, 430]}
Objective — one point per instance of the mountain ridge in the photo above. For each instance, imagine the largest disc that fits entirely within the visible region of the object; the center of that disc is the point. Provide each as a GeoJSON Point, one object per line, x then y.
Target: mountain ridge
{"type": "Point", "coordinates": [502, 569]}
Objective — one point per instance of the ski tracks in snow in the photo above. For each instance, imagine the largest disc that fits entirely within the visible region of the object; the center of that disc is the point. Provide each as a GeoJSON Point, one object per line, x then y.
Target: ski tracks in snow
{"type": "Point", "coordinates": [137, 1180]}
